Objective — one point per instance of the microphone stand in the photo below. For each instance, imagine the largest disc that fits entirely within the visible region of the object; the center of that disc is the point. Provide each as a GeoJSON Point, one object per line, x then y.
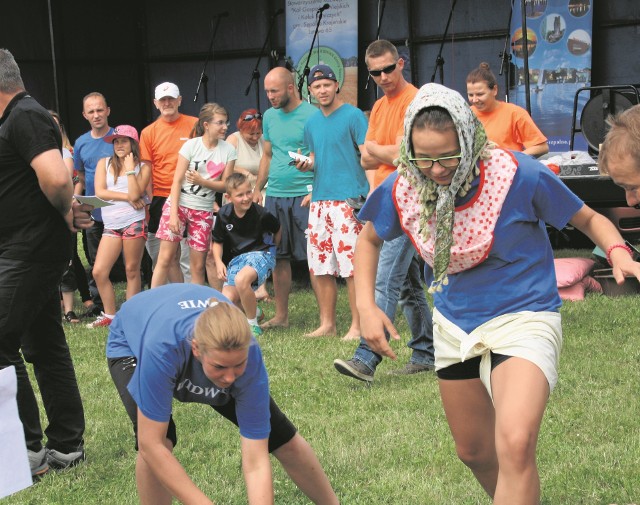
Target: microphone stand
{"type": "Point", "coordinates": [255, 75]}
{"type": "Point", "coordinates": [525, 55]}
{"type": "Point", "coordinates": [439, 58]}
{"type": "Point", "coordinates": [203, 76]}
{"type": "Point", "coordinates": [505, 58]}
{"type": "Point", "coordinates": [306, 70]}
{"type": "Point", "coordinates": [381, 5]}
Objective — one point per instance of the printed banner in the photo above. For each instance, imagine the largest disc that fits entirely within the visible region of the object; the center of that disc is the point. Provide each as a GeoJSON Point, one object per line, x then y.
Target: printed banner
{"type": "Point", "coordinates": [559, 44]}
{"type": "Point", "coordinates": [336, 44]}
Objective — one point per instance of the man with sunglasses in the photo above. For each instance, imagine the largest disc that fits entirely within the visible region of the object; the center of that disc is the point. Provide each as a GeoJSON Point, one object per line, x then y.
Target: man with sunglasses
{"type": "Point", "coordinates": [398, 277]}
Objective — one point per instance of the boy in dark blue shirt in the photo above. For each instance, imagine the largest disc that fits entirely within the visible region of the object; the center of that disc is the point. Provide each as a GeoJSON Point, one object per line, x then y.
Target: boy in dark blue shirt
{"type": "Point", "coordinates": [244, 240]}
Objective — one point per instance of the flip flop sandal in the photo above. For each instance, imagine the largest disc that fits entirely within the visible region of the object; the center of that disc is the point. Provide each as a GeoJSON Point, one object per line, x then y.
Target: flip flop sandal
{"type": "Point", "coordinates": [71, 317]}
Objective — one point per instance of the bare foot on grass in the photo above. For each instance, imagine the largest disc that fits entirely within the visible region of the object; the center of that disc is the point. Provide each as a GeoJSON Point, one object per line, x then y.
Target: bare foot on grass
{"type": "Point", "coordinates": [275, 323]}
{"type": "Point", "coordinates": [352, 334]}
{"type": "Point", "coordinates": [262, 295]}
{"type": "Point", "coordinates": [322, 331]}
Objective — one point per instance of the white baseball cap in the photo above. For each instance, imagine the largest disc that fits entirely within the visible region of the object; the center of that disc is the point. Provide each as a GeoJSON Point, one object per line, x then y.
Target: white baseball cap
{"type": "Point", "coordinates": [167, 89]}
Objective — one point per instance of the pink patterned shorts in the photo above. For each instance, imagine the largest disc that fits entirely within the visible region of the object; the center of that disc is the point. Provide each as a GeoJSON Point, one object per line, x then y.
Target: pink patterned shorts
{"type": "Point", "coordinates": [331, 238]}
{"type": "Point", "coordinates": [137, 229]}
{"type": "Point", "coordinates": [198, 224]}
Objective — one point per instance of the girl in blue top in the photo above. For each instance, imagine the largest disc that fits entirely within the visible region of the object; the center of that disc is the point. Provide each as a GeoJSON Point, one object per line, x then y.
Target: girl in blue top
{"type": "Point", "coordinates": [477, 216]}
{"type": "Point", "coordinates": [190, 343]}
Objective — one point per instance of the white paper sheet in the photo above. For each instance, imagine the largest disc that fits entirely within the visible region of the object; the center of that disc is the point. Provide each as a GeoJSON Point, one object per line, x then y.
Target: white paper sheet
{"type": "Point", "coordinates": [94, 201]}
{"type": "Point", "coordinates": [15, 473]}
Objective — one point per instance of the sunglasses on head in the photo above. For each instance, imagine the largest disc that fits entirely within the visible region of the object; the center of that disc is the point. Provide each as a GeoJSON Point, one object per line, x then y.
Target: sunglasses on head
{"type": "Point", "coordinates": [249, 117]}
{"type": "Point", "coordinates": [386, 70]}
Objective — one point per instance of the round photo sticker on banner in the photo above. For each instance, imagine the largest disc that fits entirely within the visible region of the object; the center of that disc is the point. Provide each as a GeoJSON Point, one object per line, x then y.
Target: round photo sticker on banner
{"type": "Point", "coordinates": [579, 8]}
{"type": "Point", "coordinates": [517, 42]}
{"type": "Point", "coordinates": [535, 8]}
{"type": "Point", "coordinates": [553, 27]}
{"type": "Point", "coordinates": [579, 42]}
{"type": "Point", "coordinates": [323, 55]}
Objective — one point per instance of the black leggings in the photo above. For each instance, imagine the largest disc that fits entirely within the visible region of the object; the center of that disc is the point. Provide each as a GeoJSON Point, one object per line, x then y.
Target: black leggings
{"type": "Point", "coordinates": [75, 277]}
{"type": "Point", "coordinates": [282, 429]}
{"type": "Point", "coordinates": [469, 369]}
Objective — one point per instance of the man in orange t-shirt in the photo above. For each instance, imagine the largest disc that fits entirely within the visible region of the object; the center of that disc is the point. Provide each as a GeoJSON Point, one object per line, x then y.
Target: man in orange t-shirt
{"type": "Point", "coordinates": [386, 122]}
{"type": "Point", "coordinates": [159, 144]}
{"type": "Point", "coordinates": [398, 277]}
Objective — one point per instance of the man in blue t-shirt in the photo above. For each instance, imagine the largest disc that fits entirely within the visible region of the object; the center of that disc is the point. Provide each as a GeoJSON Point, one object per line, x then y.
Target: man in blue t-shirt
{"type": "Point", "coordinates": [289, 190]}
{"type": "Point", "coordinates": [189, 342]}
{"type": "Point", "coordinates": [87, 151]}
{"type": "Point", "coordinates": [335, 135]}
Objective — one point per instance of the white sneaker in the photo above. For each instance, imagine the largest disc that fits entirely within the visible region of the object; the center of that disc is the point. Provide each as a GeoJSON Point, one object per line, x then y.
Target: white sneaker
{"type": "Point", "coordinates": [101, 321]}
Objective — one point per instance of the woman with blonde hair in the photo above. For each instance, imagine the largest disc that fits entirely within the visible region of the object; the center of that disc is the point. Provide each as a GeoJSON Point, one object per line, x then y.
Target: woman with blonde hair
{"type": "Point", "coordinates": [620, 153]}
{"type": "Point", "coordinates": [190, 343]}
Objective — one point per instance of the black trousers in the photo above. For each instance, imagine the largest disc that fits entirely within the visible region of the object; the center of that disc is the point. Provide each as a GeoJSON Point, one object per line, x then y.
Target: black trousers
{"type": "Point", "coordinates": [30, 321]}
{"type": "Point", "coordinates": [76, 276]}
{"type": "Point", "coordinates": [122, 369]}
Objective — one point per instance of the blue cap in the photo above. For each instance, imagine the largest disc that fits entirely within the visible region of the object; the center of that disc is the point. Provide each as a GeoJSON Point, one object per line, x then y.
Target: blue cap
{"type": "Point", "coordinates": [320, 72]}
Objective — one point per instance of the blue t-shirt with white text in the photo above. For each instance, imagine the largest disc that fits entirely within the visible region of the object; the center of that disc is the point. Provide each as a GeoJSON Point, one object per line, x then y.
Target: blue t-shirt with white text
{"type": "Point", "coordinates": [156, 327]}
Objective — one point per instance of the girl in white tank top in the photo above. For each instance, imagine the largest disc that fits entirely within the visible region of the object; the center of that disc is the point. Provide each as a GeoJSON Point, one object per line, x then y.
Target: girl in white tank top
{"type": "Point", "coordinates": [122, 180]}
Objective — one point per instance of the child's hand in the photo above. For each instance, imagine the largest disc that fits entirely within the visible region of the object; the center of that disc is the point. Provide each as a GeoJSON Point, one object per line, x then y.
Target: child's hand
{"type": "Point", "coordinates": [174, 225]}
{"type": "Point", "coordinates": [193, 177]}
{"type": "Point", "coordinates": [221, 270]}
{"type": "Point", "coordinates": [137, 204]}
{"type": "Point", "coordinates": [129, 163]}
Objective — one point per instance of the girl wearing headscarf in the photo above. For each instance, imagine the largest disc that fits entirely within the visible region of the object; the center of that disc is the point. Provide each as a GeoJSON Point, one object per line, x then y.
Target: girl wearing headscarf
{"type": "Point", "coordinates": [477, 215]}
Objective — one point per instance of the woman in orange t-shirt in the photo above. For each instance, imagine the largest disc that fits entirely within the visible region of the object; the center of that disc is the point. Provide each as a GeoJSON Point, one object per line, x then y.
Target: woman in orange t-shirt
{"type": "Point", "coordinates": [506, 124]}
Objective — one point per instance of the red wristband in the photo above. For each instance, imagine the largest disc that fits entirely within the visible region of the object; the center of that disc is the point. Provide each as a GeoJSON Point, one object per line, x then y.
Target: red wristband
{"type": "Point", "coordinates": [615, 246]}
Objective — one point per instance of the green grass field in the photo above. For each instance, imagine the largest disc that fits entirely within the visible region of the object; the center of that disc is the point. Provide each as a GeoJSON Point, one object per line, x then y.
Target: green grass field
{"type": "Point", "coordinates": [384, 444]}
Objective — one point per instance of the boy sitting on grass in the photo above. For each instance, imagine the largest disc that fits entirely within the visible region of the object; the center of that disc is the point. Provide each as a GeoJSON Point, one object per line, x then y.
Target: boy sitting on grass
{"type": "Point", "coordinates": [244, 237]}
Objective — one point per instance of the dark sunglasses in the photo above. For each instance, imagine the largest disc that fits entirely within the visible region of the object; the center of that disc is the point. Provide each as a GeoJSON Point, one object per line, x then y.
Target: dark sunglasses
{"type": "Point", "coordinates": [249, 117]}
{"type": "Point", "coordinates": [386, 70]}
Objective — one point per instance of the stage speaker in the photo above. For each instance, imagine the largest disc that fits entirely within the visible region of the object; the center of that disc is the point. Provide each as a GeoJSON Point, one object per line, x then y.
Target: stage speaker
{"type": "Point", "coordinates": [604, 101]}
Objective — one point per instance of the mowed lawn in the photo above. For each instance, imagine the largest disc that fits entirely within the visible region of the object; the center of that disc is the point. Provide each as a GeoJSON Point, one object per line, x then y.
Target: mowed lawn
{"type": "Point", "coordinates": [384, 444]}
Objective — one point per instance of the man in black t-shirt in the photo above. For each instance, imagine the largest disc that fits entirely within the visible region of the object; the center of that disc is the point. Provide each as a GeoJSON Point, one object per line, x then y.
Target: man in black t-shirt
{"type": "Point", "coordinates": [36, 217]}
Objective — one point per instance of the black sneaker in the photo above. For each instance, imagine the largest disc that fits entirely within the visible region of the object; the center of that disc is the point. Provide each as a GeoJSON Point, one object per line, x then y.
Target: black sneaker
{"type": "Point", "coordinates": [356, 204]}
{"type": "Point", "coordinates": [93, 310]}
{"type": "Point", "coordinates": [38, 463]}
{"type": "Point", "coordinates": [59, 460]}
{"type": "Point", "coordinates": [411, 368]}
{"type": "Point", "coordinates": [355, 369]}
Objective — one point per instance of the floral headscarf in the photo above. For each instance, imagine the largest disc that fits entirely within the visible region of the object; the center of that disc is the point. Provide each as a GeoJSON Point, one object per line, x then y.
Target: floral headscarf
{"type": "Point", "coordinates": [434, 197]}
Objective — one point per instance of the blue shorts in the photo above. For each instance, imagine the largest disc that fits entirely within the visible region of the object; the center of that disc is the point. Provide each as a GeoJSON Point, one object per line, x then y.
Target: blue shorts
{"type": "Point", "coordinates": [263, 262]}
{"type": "Point", "coordinates": [294, 221]}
